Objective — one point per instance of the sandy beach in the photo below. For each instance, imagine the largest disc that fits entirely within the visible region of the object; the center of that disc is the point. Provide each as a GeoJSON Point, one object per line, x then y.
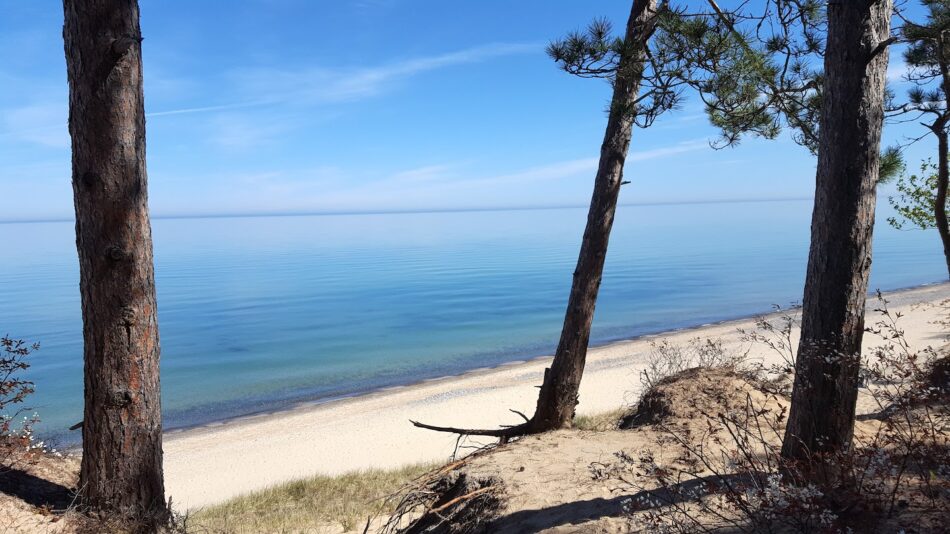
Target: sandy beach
{"type": "Point", "coordinates": [212, 463]}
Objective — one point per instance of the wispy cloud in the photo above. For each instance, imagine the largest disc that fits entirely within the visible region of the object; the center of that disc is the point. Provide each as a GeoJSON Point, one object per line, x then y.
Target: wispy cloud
{"type": "Point", "coordinates": [328, 85]}
{"type": "Point", "coordinates": [452, 175]}
{"type": "Point", "coordinates": [424, 175]}
{"type": "Point", "coordinates": [662, 152]}
{"type": "Point", "coordinates": [204, 109]}
{"type": "Point", "coordinates": [42, 124]}
{"type": "Point", "coordinates": [45, 124]}
{"type": "Point", "coordinates": [233, 131]}
{"type": "Point", "coordinates": [442, 185]}
{"type": "Point", "coordinates": [373, 5]}
{"type": "Point", "coordinates": [321, 85]}
{"type": "Point", "coordinates": [580, 167]}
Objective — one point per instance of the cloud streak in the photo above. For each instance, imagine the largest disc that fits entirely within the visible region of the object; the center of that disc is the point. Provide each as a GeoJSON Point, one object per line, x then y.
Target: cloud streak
{"type": "Point", "coordinates": [41, 124]}
{"type": "Point", "coordinates": [442, 186]}
{"type": "Point", "coordinates": [44, 124]}
{"type": "Point", "coordinates": [662, 152]}
{"type": "Point", "coordinates": [204, 109]}
{"type": "Point", "coordinates": [320, 85]}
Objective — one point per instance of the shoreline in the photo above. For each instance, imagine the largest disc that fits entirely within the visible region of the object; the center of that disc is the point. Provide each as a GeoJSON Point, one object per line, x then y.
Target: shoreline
{"type": "Point", "coordinates": [303, 405]}
{"type": "Point", "coordinates": [210, 463]}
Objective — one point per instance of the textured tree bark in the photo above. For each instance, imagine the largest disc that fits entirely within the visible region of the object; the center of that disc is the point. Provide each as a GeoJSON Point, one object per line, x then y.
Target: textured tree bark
{"type": "Point", "coordinates": [121, 470]}
{"type": "Point", "coordinates": [943, 173]}
{"type": "Point", "coordinates": [821, 418]}
{"type": "Point", "coordinates": [940, 199]}
{"type": "Point", "coordinates": [559, 391]}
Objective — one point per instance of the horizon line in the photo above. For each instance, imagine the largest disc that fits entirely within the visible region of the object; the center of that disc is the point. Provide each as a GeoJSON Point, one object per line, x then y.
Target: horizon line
{"type": "Point", "coordinates": [410, 211]}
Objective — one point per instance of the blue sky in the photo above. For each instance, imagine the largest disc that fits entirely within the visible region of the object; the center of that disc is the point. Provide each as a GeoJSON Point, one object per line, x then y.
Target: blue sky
{"type": "Point", "coordinates": [268, 106]}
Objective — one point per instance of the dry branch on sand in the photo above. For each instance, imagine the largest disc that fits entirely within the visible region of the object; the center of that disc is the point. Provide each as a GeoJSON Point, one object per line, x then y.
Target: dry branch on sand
{"type": "Point", "coordinates": [448, 500]}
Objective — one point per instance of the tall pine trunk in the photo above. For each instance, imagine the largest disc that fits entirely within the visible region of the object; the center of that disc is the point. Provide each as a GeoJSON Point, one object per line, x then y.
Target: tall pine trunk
{"type": "Point", "coordinates": [559, 391]}
{"type": "Point", "coordinates": [821, 418]}
{"type": "Point", "coordinates": [943, 173]}
{"type": "Point", "coordinates": [121, 472]}
{"type": "Point", "coordinates": [940, 199]}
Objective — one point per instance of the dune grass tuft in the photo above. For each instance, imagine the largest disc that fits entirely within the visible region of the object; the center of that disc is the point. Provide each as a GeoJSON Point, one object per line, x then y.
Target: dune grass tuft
{"type": "Point", "coordinates": [317, 504]}
{"type": "Point", "coordinates": [599, 422]}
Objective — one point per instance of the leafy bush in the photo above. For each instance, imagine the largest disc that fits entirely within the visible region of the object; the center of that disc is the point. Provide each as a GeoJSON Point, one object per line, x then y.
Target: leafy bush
{"type": "Point", "coordinates": [16, 433]}
{"type": "Point", "coordinates": [916, 198]}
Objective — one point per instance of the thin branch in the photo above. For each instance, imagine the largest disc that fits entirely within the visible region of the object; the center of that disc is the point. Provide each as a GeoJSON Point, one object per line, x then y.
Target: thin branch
{"type": "Point", "coordinates": [501, 433]}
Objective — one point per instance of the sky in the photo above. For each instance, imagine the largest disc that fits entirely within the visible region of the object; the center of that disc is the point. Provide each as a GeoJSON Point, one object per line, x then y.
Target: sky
{"type": "Point", "coordinates": [304, 106]}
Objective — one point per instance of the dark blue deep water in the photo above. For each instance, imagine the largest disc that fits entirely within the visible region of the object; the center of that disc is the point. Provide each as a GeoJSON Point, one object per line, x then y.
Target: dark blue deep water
{"type": "Point", "coordinates": [259, 313]}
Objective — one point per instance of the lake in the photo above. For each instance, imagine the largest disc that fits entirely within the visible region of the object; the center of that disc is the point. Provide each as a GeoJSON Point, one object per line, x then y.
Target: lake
{"type": "Point", "coordinates": [260, 313]}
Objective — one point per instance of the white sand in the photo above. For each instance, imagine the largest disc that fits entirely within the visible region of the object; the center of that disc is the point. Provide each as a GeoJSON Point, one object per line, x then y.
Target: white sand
{"type": "Point", "coordinates": [210, 464]}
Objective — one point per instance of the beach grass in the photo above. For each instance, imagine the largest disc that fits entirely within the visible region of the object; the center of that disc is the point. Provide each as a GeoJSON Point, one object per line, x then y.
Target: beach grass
{"type": "Point", "coordinates": [317, 504]}
{"type": "Point", "coordinates": [599, 422]}
{"type": "Point", "coordinates": [335, 503]}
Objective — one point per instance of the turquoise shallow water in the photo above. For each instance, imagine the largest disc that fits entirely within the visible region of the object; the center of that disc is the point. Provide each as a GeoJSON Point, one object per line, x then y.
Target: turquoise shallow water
{"type": "Point", "coordinates": [258, 313]}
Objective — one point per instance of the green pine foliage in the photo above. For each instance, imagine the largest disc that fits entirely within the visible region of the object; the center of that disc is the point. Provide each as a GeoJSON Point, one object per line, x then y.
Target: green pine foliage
{"type": "Point", "coordinates": [756, 69]}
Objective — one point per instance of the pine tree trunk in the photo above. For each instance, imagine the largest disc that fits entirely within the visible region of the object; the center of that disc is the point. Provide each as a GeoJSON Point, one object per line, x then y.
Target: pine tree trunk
{"type": "Point", "coordinates": [943, 173]}
{"type": "Point", "coordinates": [121, 472]}
{"type": "Point", "coordinates": [940, 200]}
{"type": "Point", "coordinates": [559, 391]}
{"type": "Point", "coordinates": [826, 381]}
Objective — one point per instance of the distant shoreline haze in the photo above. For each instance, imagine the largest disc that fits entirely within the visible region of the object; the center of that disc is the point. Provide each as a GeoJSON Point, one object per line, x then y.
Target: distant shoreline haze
{"type": "Point", "coordinates": [318, 213]}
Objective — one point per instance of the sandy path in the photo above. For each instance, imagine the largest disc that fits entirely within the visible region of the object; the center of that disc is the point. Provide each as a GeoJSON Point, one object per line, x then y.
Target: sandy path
{"type": "Point", "coordinates": [210, 464]}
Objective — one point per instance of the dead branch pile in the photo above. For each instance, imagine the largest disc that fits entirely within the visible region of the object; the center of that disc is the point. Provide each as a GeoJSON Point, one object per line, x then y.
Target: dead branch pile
{"type": "Point", "coordinates": [447, 500]}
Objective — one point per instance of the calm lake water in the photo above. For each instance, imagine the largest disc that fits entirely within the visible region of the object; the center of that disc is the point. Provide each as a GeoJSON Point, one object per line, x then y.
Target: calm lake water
{"type": "Point", "coordinates": [258, 313]}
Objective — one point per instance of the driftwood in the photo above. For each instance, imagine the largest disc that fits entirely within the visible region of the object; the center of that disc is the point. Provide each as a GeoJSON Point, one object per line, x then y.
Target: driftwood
{"type": "Point", "coordinates": [503, 434]}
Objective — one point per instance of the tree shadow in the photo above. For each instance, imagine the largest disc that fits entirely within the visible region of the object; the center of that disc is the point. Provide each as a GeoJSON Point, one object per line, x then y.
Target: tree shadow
{"type": "Point", "coordinates": [579, 512]}
{"type": "Point", "coordinates": [35, 491]}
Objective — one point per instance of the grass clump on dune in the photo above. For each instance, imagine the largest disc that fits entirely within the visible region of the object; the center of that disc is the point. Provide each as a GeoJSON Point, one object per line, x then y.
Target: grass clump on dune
{"type": "Point", "coordinates": [599, 422]}
{"type": "Point", "coordinates": [335, 503]}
